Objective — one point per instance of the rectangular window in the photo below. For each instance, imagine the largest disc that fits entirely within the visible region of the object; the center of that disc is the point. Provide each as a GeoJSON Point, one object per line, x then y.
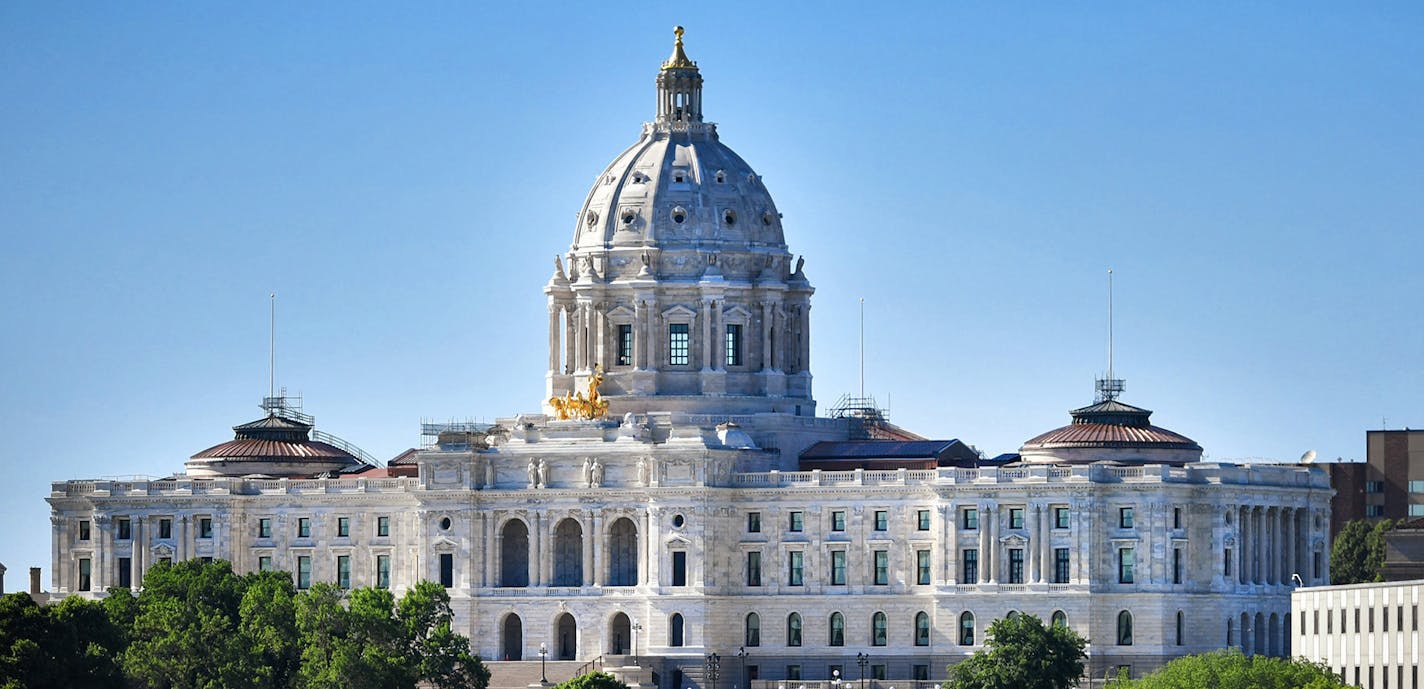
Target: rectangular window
{"type": "Point", "coordinates": [303, 527]}
{"type": "Point", "coordinates": [303, 571]}
{"type": "Point", "coordinates": [125, 572]}
{"type": "Point", "coordinates": [679, 568]}
{"type": "Point", "coordinates": [1226, 562]}
{"type": "Point", "coordinates": [882, 520]}
{"type": "Point", "coordinates": [1416, 510]}
{"type": "Point", "coordinates": [754, 568]}
{"type": "Point", "coordinates": [922, 567]}
{"type": "Point", "coordinates": [838, 520]}
{"type": "Point", "coordinates": [1124, 517]}
{"type": "Point", "coordinates": [1416, 486]}
{"type": "Point", "coordinates": [970, 519]}
{"type": "Point", "coordinates": [838, 568]}
{"type": "Point", "coordinates": [1176, 565]}
{"type": "Point", "coordinates": [1016, 565]}
{"type": "Point", "coordinates": [753, 522]}
{"type": "Point", "coordinates": [625, 345]}
{"type": "Point", "coordinates": [793, 672]}
{"type": "Point", "coordinates": [1374, 510]}
{"type": "Point", "coordinates": [343, 571]}
{"type": "Point", "coordinates": [1060, 517]}
{"type": "Point", "coordinates": [264, 563]}
{"type": "Point", "coordinates": [882, 567]}
{"type": "Point", "coordinates": [877, 671]}
{"type": "Point", "coordinates": [383, 526]}
{"type": "Point", "coordinates": [125, 528]}
{"type": "Point", "coordinates": [795, 568]}
{"type": "Point", "coordinates": [797, 522]}
{"type": "Point", "coordinates": [1126, 562]}
{"type": "Point", "coordinates": [264, 527]}
{"type": "Point", "coordinates": [922, 520]}
{"type": "Point", "coordinates": [1374, 486]}
{"type": "Point", "coordinates": [83, 529]}
{"type": "Point", "coordinates": [447, 570]}
{"type": "Point", "coordinates": [1176, 517]}
{"type": "Point", "coordinates": [85, 578]}
{"type": "Point", "coordinates": [920, 673]}
{"type": "Point", "coordinates": [1060, 565]}
{"type": "Point", "coordinates": [677, 344]}
{"type": "Point", "coordinates": [734, 344]}
{"type": "Point", "coordinates": [383, 571]}
{"type": "Point", "coordinates": [971, 566]}
{"type": "Point", "coordinates": [205, 527]}
{"type": "Point", "coordinates": [1016, 517]}
{"type": "Point", "coordinates": [343, 527]}
{"type": "Point", "coordinates": [165, 528]}
{"type": "Point", "coordinates": [1315, 564]}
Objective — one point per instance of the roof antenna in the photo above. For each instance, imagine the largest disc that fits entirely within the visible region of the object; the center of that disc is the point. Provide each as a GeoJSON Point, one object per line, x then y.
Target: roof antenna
{"type": "Point", "coordinates": [862, 347]}
{"type": "Point", "coordinates": [1110, 387]}
{"type": "Point", "coordinates": [272, 350]}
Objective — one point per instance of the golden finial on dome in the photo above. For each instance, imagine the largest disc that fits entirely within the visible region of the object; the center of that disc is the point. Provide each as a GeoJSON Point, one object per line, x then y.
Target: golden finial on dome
{"type": "Point", "coordinates": [678, 60]}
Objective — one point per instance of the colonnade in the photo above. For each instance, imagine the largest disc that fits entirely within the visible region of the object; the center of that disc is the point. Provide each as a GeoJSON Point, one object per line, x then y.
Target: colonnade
{"type": "Point", "coordinates": [1275, 543]}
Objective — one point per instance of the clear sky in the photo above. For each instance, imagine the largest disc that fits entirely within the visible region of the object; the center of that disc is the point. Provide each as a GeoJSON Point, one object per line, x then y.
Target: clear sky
{"type": "Point", "coordinates": [401, 175]}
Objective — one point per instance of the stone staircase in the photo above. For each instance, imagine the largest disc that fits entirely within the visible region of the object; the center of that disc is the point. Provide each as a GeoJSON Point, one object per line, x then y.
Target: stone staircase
{"type": "Point", "coordinates": [520, 674]}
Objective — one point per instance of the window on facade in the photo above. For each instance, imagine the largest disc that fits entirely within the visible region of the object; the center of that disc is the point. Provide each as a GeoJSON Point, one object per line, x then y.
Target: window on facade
{"type": "Point", "coordinates": [343, 571]}
{"type": "Point", "coordinates": [1060, 565]}
{"type": "Point", "coordinates": [304, 571]}
{"type": "Point", "coordinates": [797, 522]}
{"type": "Point", "coordinates": [920, 672]}
{"type": "Point", "coordinates": [1124, 517]}
{"type": "Point", "coordinates": [1226, 562]}
{"type": "Point", "coordinates": [970, 519]}
{"type": "Point", "coordinates": [1181, 627]}
{"type": "Point", "coordinates": [124, 528]}
{"type": "Point", "coordinates": [83, 529]}
{"type": "Point", "coordinates": [922, 520]}
{"type": "Point", "coordinates": [838, 520]}
{"type": "Point", "coordinates": [754, 568]}
{"type": "Point", "coordinates": [882, 520]}
{"type": "Point", "coordinates": [303, 527]}
{"type": "Point", "coordinates": [205, 527]}
{"type": "Point", "coordinates": [264, 527]}
{"type": "Point", "coordinates": [343, 527]}
{"type": "Point", "coordinates": [1016, 517]}
{"type": "Point", "coordinates": [1176, 517]}
{"type": "Point", "coordinates": [1176, 565]}
{"type": "Point", "coordinates": [795, 568]}
{"type": "Point", "coordinates": [1374, 486]}
{"type": "Point", "coordinates": [1126, 563]}
{"type": "Point", "coordinates": [793, 672]}
{"type": "Point", "coordinates": [125, 572]}
{"type": "Point", "coordinates": [1374, 511]}
{"type": "Point", "coordinates": [85, 575]}
{"type": "Point", "coordinates": [753, 630]}
{"type": "Point", "coordinates": [675, 630]}
{"type": "Point", "coordinates": [677, 344]}
{"type": "Point", "coordinates": [878, 631]}
{"type": "Point", "coordinates": [837, 630]}
{"type": "Point", "coordinates": [838, 568]}
{"type": "Point", "coordinates": [971, 566]}
{"type": "Point", "coordinates": [1230, 632]}
{"type": "Point", "coordinates": [966, 629]}
{"type": "Point", "coordinates": [383, 571]}
{"type": "Point", "coordinates": [1124, 628]}
{"type": "Point", "coordinates": [793, 629]}
{"type": "Point", "coordinates": [734, 344]}
{"type": "Point", "coordinates": [447, 570]}
{"type": "Point", "coordinates": [922, 567]}
{"type": "Point", "coordinates": [882, 567]}
{"type": "Point", "coordinates": [1016, 565]}
{"type": "Point", "coordinates": [1416, 486]}
{"type": "Point", "coordinates": [165, 528]}
{"type": "Point", "coordinates": [625, 344]}
{"type": "Point", "coordinates": [1060, 517]}
{"type": "Point", "coordinates": [679, 568]}
{"type": "Point", "coordinates": [383, 526]}
{"type": "Point", "coordinates": [1315, 564]}
{"type": "Point", "coordinates": [1059, 619]}
{"type": "Point", "coordinates": [264, 563]}
{"type": "Point", "coordinates": [922, 629]}
{"type": "Point", "coordinates": [1416, 511]}
{"type": "Point", "coordinates": [753, 522]}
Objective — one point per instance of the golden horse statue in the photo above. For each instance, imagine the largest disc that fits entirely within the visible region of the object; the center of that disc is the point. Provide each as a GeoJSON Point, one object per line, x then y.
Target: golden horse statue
{"type": "Point", "coordinates": [575, 406]}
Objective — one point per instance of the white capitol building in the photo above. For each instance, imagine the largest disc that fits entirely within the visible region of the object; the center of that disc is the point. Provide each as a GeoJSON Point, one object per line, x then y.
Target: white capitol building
{"type": "Point", "coordinates": [708, 509]}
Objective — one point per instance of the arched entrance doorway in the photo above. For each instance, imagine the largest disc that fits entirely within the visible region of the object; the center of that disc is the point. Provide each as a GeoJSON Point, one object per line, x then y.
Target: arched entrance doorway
{"type": "Point", "coordinates": [620, 635]}
{"type": "Point", "coordinates": [512, 638]}
{"type": "Point", "coordinates": [567, 646]}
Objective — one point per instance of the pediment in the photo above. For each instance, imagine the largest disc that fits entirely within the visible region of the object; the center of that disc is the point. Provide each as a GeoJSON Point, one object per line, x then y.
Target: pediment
{"type": "Point", "coordinates": [621, 312]}
{"type": "Point", "coordinates": [678, 311]}
{"type": "Point", "coordinates": [736, 313]}
{"type": "Point", "coordinates": [444, 544]}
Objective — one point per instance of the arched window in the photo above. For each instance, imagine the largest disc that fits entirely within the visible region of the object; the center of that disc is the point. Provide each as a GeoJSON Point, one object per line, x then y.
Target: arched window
{"type": "Point", "coordinates": [568, 553]}
{"type": "Point", "coordinates": [514, 554]}
{"type": "Point", "coordinates": [753, 636]}
{"type": "Point", "coordinates": [1230, 632]}
{"type": "Point", "coordinates": [1012, 614]}
{"type": "Point", "coordinates": [837, 629]}
{"type": "Point", "coordinates": [1059, 619]}
{"type": "Point", "coordinates": [877, 629]}
{"type": "Point", "coordinates": [1124, 628]}
{"type": "Point", "coordinates": [966, 629]}
{"type": "Point", "coordinates": [793, 629]}
{"type": "Point", "coordinates": [1181, 626]}
{"type": "Point", "coordinates": [623, 553]}
{"type": "Point", "coordinates": [922, 629]}
{"type": "Point", "coordinates": [675, 636]}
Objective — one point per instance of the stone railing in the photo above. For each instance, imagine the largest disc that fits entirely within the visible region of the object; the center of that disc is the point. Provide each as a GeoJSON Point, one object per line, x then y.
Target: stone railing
{"type": "Point", "coordinates": [233, 486]}
{"type": "Point", "coordinates": [1081, 473]}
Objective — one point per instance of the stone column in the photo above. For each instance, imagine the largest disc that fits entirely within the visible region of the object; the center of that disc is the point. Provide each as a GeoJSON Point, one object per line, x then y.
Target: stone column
{"type": "Point", "coordinates": [647, 574]}
{"type": "Point", "coordinates": [1258, 526]}
{"type": "Point", "coordinates": [950, 528]}
{"type": "Point", "coordinates": [59, 571]}
{"type": "Point", "coordinates": [805, 355]}
{"type": "Point", "coordinates": [640, 327]}
{"type": "Point", "coordinates": [1045, 553]}
{"type": "Point", "coordinates": [1276, 546]}
{"type": "Point", "coordinates": [580, 362]}
{"type": "Point", "coordinates": [553, 337]}
{"type": "Point", "coordinates": [719, 338]}
{"type": "Point", "coordinates": [1287, 545]}
{"type": "Point", "coordinates": [140, 537]}
{"type": "Point", "coordinates": [706, 318]}
{"type": "Point", "coordinates": [99, 574]}
{"type": "Point", "coordinates": [589, 534]}
{"type": "Point", "coordinates": [989, 557]}
{"type": "Point", "coordinates": [570, 360]}
{"type": "Point", "coordinates": [1035, 553]}
{"type": "Point", "coordinates": [766, 336]}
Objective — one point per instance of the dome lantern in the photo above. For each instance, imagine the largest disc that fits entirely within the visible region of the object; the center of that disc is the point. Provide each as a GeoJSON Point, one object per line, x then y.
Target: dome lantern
{"type": "Point", "coordinates": [679, 87]}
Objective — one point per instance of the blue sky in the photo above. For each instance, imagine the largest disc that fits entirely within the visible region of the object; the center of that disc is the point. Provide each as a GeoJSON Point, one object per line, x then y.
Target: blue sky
{"type": "Point", "coordinates": [401, 176]}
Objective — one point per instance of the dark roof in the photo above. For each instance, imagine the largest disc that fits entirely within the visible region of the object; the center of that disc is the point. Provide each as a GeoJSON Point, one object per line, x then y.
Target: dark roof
{"type": "Point", "coordinates": [1111, 423]}
{"type": "Point", "coordinates": [878, 449]}
{"type": "Point", "coordinates": [274, 437]}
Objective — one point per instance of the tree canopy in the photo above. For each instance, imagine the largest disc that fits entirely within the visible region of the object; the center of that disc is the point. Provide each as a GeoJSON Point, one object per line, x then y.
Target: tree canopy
{"type": "Point", "coordinates": [593, 680]}
{"type": "Point", "coordinates": [1357, 556]}
{"type": "Point", "coordinates": [1020, 652]}
{"type": "Point", "coordinates": [1230, 669]}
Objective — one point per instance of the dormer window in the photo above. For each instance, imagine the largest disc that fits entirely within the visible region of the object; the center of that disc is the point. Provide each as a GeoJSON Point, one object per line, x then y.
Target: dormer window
{"type": "Point", "coordinates": [628, 216]}
{"type": "Point", "coordinates": [729, 216]}
{"type": "Point", "coordinates": [679, 177]}
{"type": "Point", "coordinates": [679, 215]}
{"type": "Point", "coordinates": [721, 177]}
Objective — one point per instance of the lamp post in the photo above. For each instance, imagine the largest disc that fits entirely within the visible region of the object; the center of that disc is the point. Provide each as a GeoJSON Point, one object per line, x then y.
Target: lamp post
{"type": "Point", "coordinates": [543, 653]}
{"type": "Point", "coordinates": [835, 678]}
{"type": "Point", "coordinates": [637, 627]}
{"type": "Point", "coordinates": [713, 665]}
{"type": "Point", "coordinates": [862, 660]}
{"type": "Point", "coordinates": [742, 654]}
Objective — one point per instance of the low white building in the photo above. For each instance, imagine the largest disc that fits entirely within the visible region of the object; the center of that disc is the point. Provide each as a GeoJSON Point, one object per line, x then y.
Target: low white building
{"type": "Point", "coordinates": [1368, 634]}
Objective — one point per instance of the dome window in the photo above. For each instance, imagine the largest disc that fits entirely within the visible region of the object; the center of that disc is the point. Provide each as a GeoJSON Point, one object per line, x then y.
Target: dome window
{"type": "Point", "coordinates": [721, 177]}
{"type": "Point", "coordinates": [679, 177]}
{"type": "Point", "coordinates": [628, 216]}
{"type": "Point", "coordinates": [766, 218]}
{"type": "Point", "coordinates": [591, 218]}
{"type": "Point", "coordinates": [639, 178]}
{"type": "Point", "coordinates": [729, 216]}
{"type": "Point", "coordinates": [679, 215]}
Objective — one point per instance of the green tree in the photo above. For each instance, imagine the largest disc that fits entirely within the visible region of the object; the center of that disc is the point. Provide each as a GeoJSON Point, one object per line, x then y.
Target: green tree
{"type": "Point", "coordinates": [1357, 556]}
{"type": "Point", "coordinates": [593, 680]}
{"type": "Point", "coordinates": [27, 659]}
{"type": "Point", "coordinates": [71, 644]}
{"type": "Point", "coordinates": [1022, 653]}
{"type": "Point", "coordinates": [267, 621]}
{"type": "Point", "coordinates": [185, 634]}
{"type": "Point", "coordinates": [1229, 669]}
{"type": "Point", "coordinates": [444, 656]}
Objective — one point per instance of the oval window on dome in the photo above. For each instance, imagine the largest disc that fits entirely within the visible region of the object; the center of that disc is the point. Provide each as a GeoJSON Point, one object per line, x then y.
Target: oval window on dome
{"type": "Point", "coordinates": [721, 177]}
{"type": "Point", "coordinates": [628, 216]}
{"type": "Point", "coordinates": [729, 216]}
{"type": "Point", "coordinates": [679, 215]}
{"type": "Point", "coordinates": [766, 218]}
{"type": "Point", "coordinates": [591, 218]}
